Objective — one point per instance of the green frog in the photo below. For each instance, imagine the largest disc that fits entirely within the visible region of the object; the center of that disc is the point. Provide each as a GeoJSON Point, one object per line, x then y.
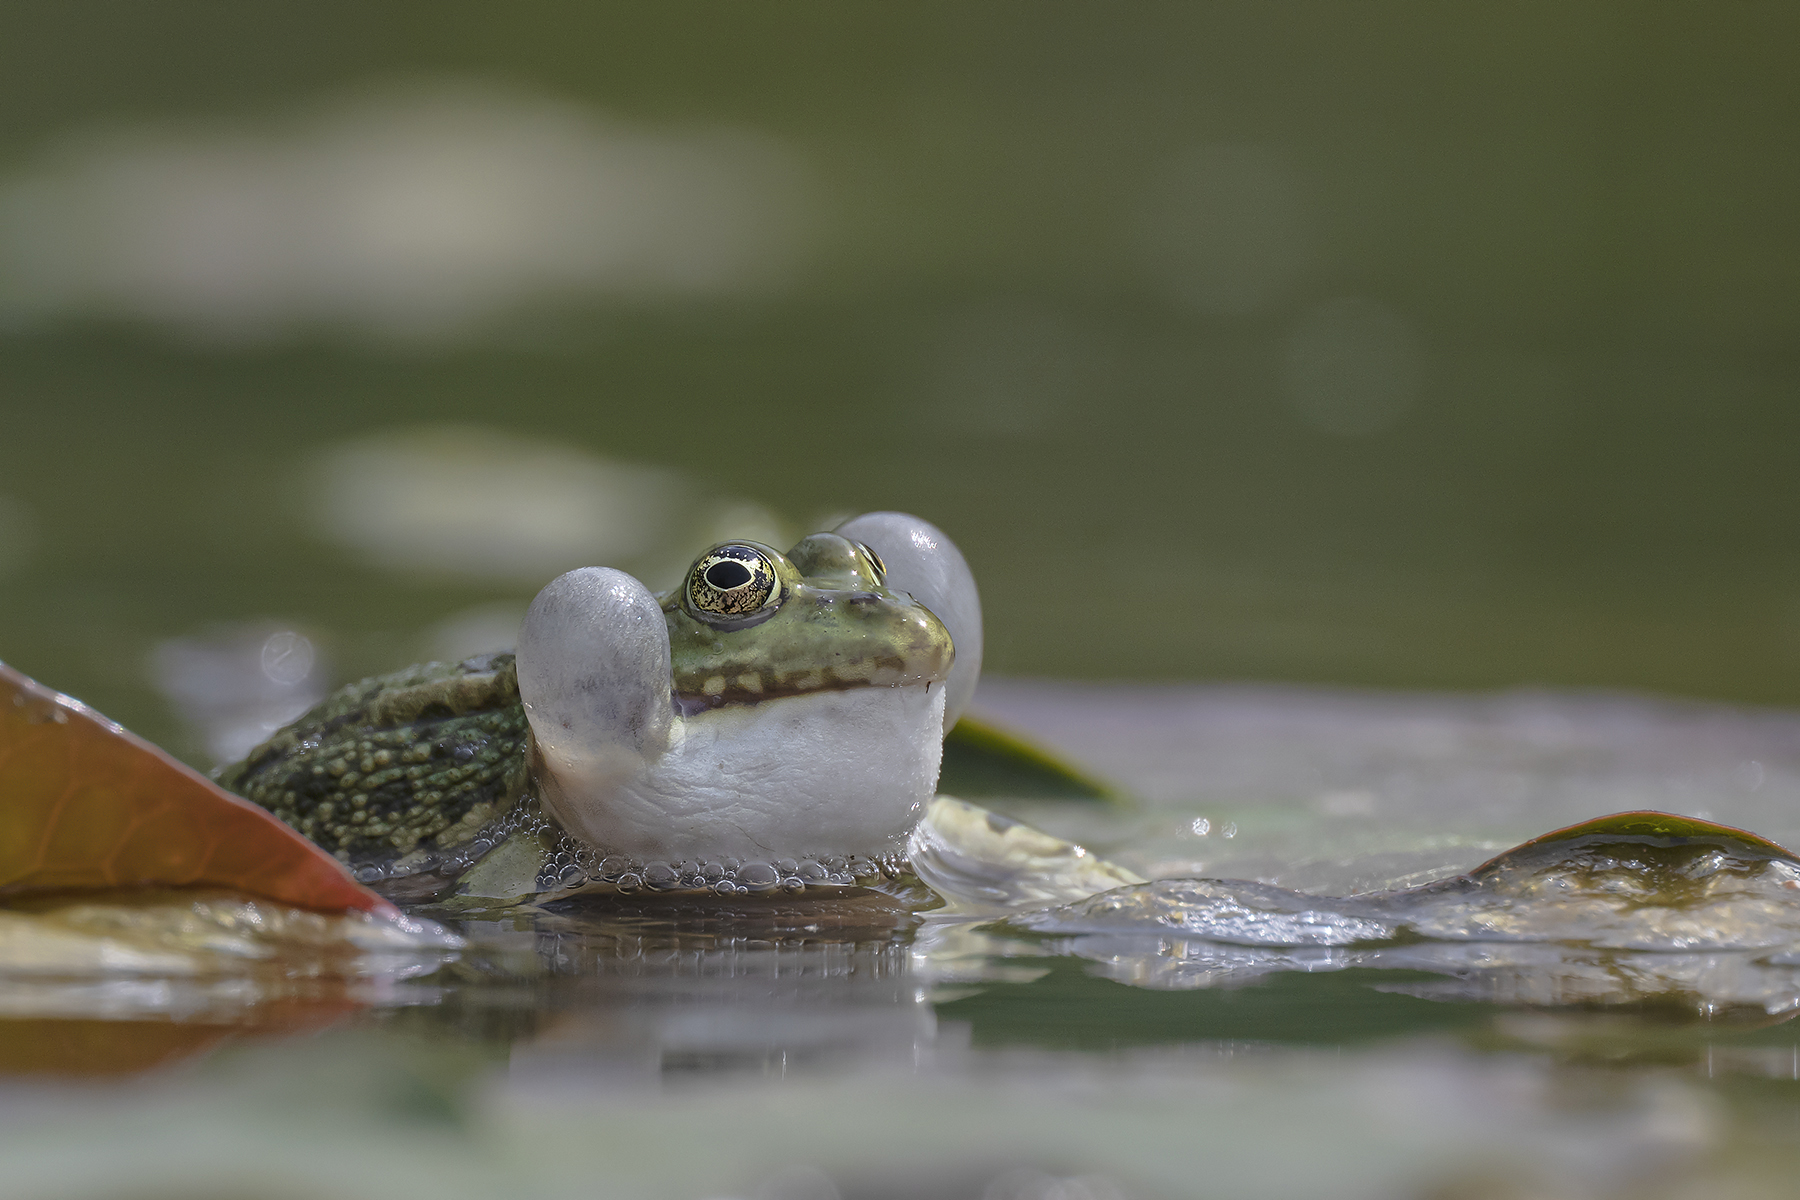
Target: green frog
{"type": "Point", "coordinates": [776, 721]}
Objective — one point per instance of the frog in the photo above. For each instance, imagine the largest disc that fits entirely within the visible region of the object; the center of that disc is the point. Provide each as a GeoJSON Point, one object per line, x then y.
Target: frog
{"type": "Point", "coordinates": [775, 721]}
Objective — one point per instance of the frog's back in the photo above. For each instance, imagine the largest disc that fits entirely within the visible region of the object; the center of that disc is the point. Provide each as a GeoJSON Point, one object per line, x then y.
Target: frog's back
{"type": "Point", "coordinates": [418, 771]}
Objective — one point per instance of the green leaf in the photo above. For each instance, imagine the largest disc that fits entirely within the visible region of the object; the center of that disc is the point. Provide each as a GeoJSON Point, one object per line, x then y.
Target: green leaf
{"type": "Point", "coordinates": [981, 760]}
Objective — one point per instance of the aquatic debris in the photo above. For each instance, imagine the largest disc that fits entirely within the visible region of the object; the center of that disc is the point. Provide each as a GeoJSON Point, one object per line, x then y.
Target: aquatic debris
{"type": "Point", "coordinates": [85, 805]}
{"type": "Point", "coordinates": [983, 860]}
{"type": "Point", "coordinates": [1639, 881]}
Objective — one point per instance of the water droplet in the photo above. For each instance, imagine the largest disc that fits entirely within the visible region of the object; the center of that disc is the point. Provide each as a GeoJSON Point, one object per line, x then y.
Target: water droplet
{"type": "Point", "coordinates": [758, 875]}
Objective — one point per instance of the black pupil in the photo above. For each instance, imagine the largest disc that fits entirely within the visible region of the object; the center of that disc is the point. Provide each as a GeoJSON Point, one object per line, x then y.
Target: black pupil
{"type": "Point", "coordinates": [727, 575]}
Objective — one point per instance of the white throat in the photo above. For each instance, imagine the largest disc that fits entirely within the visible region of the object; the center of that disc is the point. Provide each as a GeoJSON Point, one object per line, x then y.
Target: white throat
{"type": "Point", "coordinates": [829, 773]}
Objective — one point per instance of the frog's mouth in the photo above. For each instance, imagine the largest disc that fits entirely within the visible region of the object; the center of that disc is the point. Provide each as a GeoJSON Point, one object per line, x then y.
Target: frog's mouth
{"type": "Point", "coordinates": [691, 697]}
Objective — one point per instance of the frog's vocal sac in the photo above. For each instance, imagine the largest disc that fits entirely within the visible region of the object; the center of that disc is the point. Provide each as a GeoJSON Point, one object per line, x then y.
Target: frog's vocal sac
{"type": "Point", "coordinates": [771, 706]}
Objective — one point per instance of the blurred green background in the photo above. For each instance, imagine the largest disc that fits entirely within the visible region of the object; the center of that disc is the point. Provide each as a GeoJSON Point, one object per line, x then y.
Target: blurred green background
{"type": "Point", "coordinates": [1383, 344]}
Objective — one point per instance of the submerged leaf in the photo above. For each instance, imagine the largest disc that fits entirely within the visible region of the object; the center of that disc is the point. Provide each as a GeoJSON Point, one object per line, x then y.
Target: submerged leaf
{"type": "Point", "coordinates": [982, 760]}
{"type": "Point", "coordinates": [86, 805]}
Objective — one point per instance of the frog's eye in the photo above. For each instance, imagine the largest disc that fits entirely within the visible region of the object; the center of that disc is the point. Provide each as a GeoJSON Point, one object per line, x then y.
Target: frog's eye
{"type": "Point", "coordinates": [732, 581]}
{"type": "Point", "coordinates": [880, 567]}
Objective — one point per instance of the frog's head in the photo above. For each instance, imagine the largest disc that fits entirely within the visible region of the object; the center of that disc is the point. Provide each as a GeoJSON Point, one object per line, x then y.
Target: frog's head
{"type": "Point", "coordinates": [771, 705]}
{"type": "Point", "coordinates": [750, 625]}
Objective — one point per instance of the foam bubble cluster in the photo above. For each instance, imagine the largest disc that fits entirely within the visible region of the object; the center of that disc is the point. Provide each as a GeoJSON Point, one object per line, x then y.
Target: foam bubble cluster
{"type": "Point", "coordinates": [574, 864]}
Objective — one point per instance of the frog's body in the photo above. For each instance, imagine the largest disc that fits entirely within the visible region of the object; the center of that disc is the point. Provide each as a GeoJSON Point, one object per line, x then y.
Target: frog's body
{"type": "Point", "coordinates": [404, 773]}
{"type": "Point", "coordinates": [774, 710]}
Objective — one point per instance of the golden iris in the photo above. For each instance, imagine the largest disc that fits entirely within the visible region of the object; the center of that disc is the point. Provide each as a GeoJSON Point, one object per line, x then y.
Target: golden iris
{"type": "Point", "coordinates": [732, 581]}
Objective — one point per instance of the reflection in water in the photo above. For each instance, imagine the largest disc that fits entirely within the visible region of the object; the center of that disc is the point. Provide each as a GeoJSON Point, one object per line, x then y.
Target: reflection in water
{"type": "Point", "coordinates": [667, 989]}
{"type": "Point", "coordinates": [1050, 1030]}
{"type": "Point", "coordinates": [1634, 909]}
{"type": "Point", "coordinates": [412, 213]}
{"type": "Point", "coordinates": [1633, 881]}
{"type": "Point", "coordinates": [486, 505]}
{"type": "Point", "coordinates": [1536, 975]}
{"type": "Point", "coordinates": [128, 982]}
{"type": "Point", "coordinates": [792, 1047]}
{"type": "Point", "coordinates": [462, 500]}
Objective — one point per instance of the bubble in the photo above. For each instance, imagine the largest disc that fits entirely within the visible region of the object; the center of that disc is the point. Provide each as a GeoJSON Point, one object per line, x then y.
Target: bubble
{"type": "Point", "coordinates": [712, 872]}
{"type": "Point", "coordinates": [630, 882]}
{"type": "Point", "coordinates": [287, 658]}
{"type": "Point", "coordinates": [1749, 775]}
{"type": "Point", "coordinates": [660, 875]}
{"type": "Point", "coordinates": [786, 866]}
{"type": "Point", "coordinates": [235, 685]}
{"type": "Point", "coordinates": [811, 871]}
{"type": "Point", "coordinates": [758, 875]}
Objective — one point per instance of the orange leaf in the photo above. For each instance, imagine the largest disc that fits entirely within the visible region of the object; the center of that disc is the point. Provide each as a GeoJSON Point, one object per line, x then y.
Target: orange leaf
{"type": "Point", "coordinates": [84, 805]}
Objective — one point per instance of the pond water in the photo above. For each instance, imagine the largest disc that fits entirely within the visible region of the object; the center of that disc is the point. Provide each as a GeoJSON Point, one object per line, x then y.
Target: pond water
{"type": "Point", "coordinates": [1538, 1025]}
{"type": "Point", "coordinates": [1380, 345]}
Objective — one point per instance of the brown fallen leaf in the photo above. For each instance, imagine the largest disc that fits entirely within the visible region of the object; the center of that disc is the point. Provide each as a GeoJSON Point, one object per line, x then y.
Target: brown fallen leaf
{"type": "Point", "coordinates": [85, 805]}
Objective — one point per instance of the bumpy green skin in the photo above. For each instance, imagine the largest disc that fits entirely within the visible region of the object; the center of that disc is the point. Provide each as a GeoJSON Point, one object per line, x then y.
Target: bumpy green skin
{"type": "Point", "coordinates": [400, 765]}
{"type": "Point", "coordinates": [837, 627]}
